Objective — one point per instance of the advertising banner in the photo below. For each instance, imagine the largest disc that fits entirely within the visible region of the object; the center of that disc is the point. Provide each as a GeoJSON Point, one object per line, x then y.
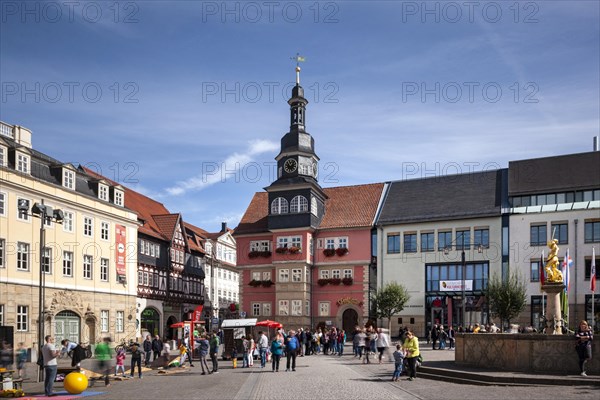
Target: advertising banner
{"type": "Point", "coordinates": [455, 286]}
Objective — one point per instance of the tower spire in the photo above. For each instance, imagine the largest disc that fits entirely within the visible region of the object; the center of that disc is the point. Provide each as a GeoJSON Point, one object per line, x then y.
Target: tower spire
{"type": "Point", "coordinates": [298, 59]}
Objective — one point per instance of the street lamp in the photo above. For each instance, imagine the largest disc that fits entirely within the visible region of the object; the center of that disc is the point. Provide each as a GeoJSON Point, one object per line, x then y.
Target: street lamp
{"type": "Point", "coordinates": [46, 214]}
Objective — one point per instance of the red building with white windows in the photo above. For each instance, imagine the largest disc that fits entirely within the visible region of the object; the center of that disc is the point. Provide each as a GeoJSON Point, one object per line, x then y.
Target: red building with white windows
{"type": "Point", "coordinates": [304, 252]}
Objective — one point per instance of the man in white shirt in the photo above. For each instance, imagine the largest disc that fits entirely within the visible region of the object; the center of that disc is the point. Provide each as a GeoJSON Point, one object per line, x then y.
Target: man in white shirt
{"type": "Point", "coordinates": [263, 345]}
{"type": "Point", "coordinates": [49, 353]}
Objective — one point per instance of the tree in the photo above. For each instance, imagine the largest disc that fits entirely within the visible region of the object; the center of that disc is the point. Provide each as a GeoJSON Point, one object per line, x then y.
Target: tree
{"type": "Point", "coordinates": [389, 300]}
{"type": "Point", "coordinates": [506, 297]}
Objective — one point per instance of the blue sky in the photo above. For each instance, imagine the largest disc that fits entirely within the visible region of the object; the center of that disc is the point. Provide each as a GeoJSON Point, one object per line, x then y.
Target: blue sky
{"type": "Point", "coordinates": [186, 101]}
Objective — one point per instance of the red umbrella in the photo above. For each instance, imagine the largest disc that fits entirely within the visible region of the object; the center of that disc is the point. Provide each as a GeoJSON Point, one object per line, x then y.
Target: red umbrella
{"type": "Point", "coordinates": [275, 325]}
{"type": "Point", "coordinates": [266, 323]}
{"type": "Point", "coordinates": [177, 325]}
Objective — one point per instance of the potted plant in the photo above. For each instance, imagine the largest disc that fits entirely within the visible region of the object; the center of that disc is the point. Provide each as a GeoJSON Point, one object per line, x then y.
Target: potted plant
{"type": "Point", "coordinates": [267, 283]}
{"type": "Point", "coordinates": [265, 253]}
{"type": "Point", "coordinates": [340, 251]}
{"type": "Point", "coordinates": [335, 281]}
{"type": "Point", "coordinates": [347, 281]}
{"type": "Point", "coordinates": [322, 282]}
{"type": "Point", "coordinates": [295, 250]}
{"type": "Point", "coordinates": [281, 250]}
{"type": "Point", "coordinates": [254, 283]}
{"type": "Point", "coordinates": [328, 252]}
{"type": "Point", "coordinates": [253, 254]}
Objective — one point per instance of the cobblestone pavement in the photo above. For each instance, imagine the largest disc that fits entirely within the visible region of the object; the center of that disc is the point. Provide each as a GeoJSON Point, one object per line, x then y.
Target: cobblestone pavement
{"type": "Point", "coordinates": [316, 377]}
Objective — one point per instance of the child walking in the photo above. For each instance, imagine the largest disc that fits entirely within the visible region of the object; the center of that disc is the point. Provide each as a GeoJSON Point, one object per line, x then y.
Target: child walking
{"type": "Point", "coordinates": [120, 361]}
{"type": "Point", "coordinates": [399, 361]}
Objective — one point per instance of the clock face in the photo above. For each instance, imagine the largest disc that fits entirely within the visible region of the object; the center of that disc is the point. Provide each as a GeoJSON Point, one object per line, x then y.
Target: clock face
{"type": "Point", "coordinates": [315, 170]}
{"type": "Point", "coordinates": [290, 165]}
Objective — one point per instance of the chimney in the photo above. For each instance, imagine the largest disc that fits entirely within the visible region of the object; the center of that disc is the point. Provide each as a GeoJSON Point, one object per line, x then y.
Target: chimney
{"type": "Point", "coordinates": [223, 227]}
{"type": "Point", "coordinates": [596, 144]}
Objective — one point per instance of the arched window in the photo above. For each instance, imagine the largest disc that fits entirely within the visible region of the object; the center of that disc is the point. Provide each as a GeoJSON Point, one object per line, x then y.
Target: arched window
{"type": "Point", "coordinates": [313, 206]}
{"type": "Point", "coordinates": [299, 204]}
{"type": "Point", "coordinates": [279, 206]}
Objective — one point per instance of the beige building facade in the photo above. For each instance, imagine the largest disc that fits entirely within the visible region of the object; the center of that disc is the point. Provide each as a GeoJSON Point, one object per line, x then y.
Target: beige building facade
{"type": "Point", "coordinates": [89, 260]}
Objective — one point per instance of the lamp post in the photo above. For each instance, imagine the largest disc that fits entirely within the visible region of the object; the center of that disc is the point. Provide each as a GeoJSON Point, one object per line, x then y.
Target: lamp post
{"type": "Point", "coordinates": [45, 214]}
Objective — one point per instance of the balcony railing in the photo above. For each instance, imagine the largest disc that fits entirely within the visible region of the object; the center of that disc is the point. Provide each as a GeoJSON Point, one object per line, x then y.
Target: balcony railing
{"type": "Point", "coordinates": [6, 130]}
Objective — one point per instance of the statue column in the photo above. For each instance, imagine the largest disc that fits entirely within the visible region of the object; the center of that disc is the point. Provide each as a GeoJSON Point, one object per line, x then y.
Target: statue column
{"type": "Point", "coordinates": [553, 311]}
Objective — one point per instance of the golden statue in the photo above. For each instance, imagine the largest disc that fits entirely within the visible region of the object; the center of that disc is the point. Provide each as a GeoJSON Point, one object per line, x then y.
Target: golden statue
{"type": "Point", "coordinates": [553, 274]}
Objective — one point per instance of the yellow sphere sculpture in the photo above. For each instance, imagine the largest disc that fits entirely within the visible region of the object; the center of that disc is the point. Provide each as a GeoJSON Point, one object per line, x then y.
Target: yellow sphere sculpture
{"type": "Point", "coordinates": [75, 382]}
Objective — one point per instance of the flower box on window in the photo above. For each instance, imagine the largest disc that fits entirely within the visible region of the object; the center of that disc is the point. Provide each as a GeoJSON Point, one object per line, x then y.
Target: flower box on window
{"type": "Point", "coordinates": [340, 251]}
{"type": "Point", "coordinates": [254, 254]}
{"type": "Point", "coordinates": [347, 281]}
{"type": "Point", "coordinates": [254, 283]}
{"type": "Point", "coordinates": [295, 250]}
{"type": "Point", "coordinates": [267, 283]}
{"type": "Point", "coordinates": [281, 250]}
{"type": "Point", "coordinates": [322, 282]}
{"type": "Point", "coordinates": [328, 252]}
{"type": "Point", "coordinates": [335, 281]}
{"type": "Point", "coordinates": [265, 253]}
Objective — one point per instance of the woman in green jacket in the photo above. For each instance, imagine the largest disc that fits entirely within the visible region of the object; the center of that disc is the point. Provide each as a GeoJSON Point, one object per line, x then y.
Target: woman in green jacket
{"type": "Point", "coordinates": [411, 345]}
{"type": "Point", "coordinates": [276, 352]}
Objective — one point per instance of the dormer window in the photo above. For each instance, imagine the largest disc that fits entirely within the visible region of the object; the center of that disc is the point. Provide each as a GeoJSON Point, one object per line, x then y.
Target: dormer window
{"type": "Point", "coordinates": [102, 192]}
{"type": "Point", "coordinates": [299, 204]}
{"type": "Point", "coordinates": [68, 179]}
{"type": "Point", "coordinates": [279, 206]}
{"type": "Point", "coordinates": [119, 198]}
{"type": "Point", "coordinates": [22, 163]}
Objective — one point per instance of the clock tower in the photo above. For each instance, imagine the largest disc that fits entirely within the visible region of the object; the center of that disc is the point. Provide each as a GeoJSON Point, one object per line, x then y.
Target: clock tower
{"type": "Point", "coordinates": [295, 198]}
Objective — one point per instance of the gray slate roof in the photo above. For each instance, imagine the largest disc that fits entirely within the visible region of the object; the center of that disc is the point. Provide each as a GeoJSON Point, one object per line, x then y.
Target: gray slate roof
{"type": "Point", "coordinates": [472, 195]}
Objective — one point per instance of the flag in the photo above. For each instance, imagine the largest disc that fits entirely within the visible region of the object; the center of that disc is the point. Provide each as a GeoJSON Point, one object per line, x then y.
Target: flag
{"type": "Point", "coordinates": [300, 59]}
{"type": "Point", "coordinates": [564, 308]}
{"type": "Point", "coordinates": [593, 271]}
{"type": "Point", "coordinates": [566, 265]}
{"type": "Point", "coordinates": [542, 271]}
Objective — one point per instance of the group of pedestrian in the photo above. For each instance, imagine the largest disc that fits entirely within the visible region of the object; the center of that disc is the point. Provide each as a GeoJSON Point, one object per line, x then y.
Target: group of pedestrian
{"type": "Point", "coordinates": [442, 337]}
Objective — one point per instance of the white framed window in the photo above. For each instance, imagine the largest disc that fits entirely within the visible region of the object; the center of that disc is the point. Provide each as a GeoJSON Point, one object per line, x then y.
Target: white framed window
{"type": "Point", "coordinates": [279, 206]}
{"type": "Point", "coordinates": [104, 230]}
{"type": "Point", "coordinates": [22, 318]}
{"type": "Point", "coordinates": [282, 241]}
{"type": "Point", "coordinates": [284, 307]}
{"type": "Point", "coordinates": [119, 198]}
{"type": "Point", "coordinates": [324, 274]}
{"type": "Point", "coordinates": [284, 275]}
{"type": "Point", "coordinates": [68, 221]}
{"type": "Point", "coordinates": [2, 253]}
{"type": "Point", "coordinates": [330, 243]}
{"type": "Point", "coordinates": [266, 276]}
{"type": "Point", "coordinates": [260, 245]}
{"type": "Point", "coordinates": [104, 320]}
{"type": "Point", "coordinates": [314, 209]}
{"type": "Point", "coordinates": [23, 163]}
{"type": "Point", "coordinates": [3, 198]}
{"type": "Point", "coordinates": [67, 263]}
{"type": "Point", "coordinates": [47, 260]}
{"type": "Point", "coordinates": [22, 256]}
{"type": "Point", "coordinates": [2, 156]}
{"type": "Point", "coordinates": [296, 307]}
{"type": "Point", "coordinates": [296, 241]}
{"type": "Point", "coordinates": [147, 249]}
{"type": "Point", "coordinates": [1, 314]}
{"type": "Point", "coordinates": [336, 273]}
{"type": "Point", "coordinates": [255, 309]}
{"type": "Point", "coordinates": [102, 192]}
{"type": "Point", "coordinates": [256, 276]}
{"type": "Point", "coordinates": [87, 267]}
{"type": "Point", "coordinates": [323, 309]}
{"type": "Point", "coordinates": [343, 242]}
{"type": "Point", "coordinates": [120, 321]}
{"type": "Point", "coordinates": [104, 269]}
{"type": "Point", "coordinates": [297, 275]}
{"type": "Point", "coordinates": [88, 226]}
{"type": "Point", "coordinates": [347, 273]}
{"type": "Point", "coordinates": [68, 178]}
{"type": "Point", "coordinates": [24, 205]}
{"type": "Point", "coordinates": [307, 307]}
{"type": "Point", "coordinates": [157, 251]}
{"type": "Point", "coordinates": [299, 204]}
{"type": "Point", "coordinates": [266, 309]}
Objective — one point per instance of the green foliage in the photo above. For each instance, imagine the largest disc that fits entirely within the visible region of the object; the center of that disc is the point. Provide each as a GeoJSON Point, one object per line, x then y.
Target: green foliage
{"type": "Point", "coordinates": [506, 298]}
{"type": "Point", "coordinates": [389, 300]}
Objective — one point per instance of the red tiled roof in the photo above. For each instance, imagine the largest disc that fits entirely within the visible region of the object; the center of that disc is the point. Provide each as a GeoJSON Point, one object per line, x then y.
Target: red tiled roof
{"type": "Point", "coordinates": [346, 207]}
{"type": "Point", "coordinates": [195, 239]}
{"type": "Point", "coordinates": [166, 224]}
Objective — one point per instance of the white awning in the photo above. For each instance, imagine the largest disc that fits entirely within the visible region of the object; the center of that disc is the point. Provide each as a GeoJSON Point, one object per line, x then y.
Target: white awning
{"type": "Point", "coordinates": [238, 323]}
